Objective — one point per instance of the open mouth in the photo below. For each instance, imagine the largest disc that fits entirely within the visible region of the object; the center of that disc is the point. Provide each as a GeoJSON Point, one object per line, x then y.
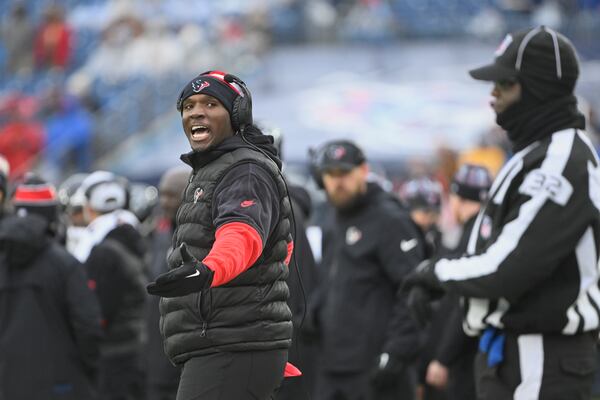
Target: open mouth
{"type": "Point", "coordinates": [199, 132]}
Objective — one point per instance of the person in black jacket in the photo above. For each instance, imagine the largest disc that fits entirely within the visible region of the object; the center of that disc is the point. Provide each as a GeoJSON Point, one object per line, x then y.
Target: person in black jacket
{"type": "Point", "coordinates": [113, 253]}
{"type": "Point", "coordinates": [369, 340]}
{"type": "Point", "coordinates": [450, 368]}
{"type": "Point", "coordinates": [224, 315]}
{"type": "Point", "coordinates": [302, 281]}
{"type": "Point", "coordinates": [423, 197]}
{"type": "Point", "coordinates": [530, 276]}
{"type": "Point", "coordinates": [49, 318]}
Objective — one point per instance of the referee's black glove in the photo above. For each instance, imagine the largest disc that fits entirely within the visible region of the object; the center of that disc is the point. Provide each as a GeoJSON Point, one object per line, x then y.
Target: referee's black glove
{"type": "Point", "coordinates": [422, 287]}
{"type": "Point", "coordinates": [191, 276]}
{"type": "Point", "coordinates": [423, 275]}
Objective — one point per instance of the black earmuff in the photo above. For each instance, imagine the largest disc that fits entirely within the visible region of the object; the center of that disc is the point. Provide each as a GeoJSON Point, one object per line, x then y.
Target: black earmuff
{"type": "Point", "coordinates": [241, 114]}
{"type": "Point", "coordinates": [316, 164]}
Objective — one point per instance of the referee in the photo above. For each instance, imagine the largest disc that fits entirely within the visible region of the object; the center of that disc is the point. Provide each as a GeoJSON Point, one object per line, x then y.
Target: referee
{"type": "Point", "coordinates": [530, 276]}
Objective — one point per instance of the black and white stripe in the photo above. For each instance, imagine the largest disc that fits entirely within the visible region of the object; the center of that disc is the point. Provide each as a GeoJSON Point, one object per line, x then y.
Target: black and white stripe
{"type": "Point", "coordinates": [543, 212]}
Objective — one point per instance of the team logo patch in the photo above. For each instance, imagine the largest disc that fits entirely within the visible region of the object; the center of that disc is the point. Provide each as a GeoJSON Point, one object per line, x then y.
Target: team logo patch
{"type": "Point", "coordinates": [198, 194]}
{"type": "Point", "coordinates": [199, 84]}
{"type": "Point", "coordinates": [353, 235]}
{"type": "Point", "coordinates": [408, 245]}
{"type": "Point", "coordinates": [336, 152]}
{"type": "Point", "coordinates": [508, 39]}
{"type": "Point", "coordinates": [485, 231]}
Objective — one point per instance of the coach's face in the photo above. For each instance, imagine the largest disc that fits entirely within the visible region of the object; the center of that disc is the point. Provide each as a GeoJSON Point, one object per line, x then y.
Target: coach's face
{"type": "Point", "coordinates": [344, 186]}
{"type": "Point", "coordinates": [206, 122]}
{"type": "Point", "coordinates": [505, 93]}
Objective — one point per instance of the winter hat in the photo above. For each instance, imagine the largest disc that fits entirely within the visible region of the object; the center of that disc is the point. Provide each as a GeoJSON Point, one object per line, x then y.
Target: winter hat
{"type": "Point", "coordinates": [543, 60]}
{"type": "Point", "coordinates": [104, 191]}
{"type": "Point", "coordinates": [36, 196]}
{"type": "Point", "coordinates": [422, 194]}
{"type": "Point", "coordinates": [340, 154]}
{"type": "Point", "coordinates": [471, 182]}
{"type": "Point", "coordinates": [211, 83]}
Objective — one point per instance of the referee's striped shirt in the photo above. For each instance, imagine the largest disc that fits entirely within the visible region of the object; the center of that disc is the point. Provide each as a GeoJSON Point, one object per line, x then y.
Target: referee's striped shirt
{"type": "Point", "coordinates": [532, 259]}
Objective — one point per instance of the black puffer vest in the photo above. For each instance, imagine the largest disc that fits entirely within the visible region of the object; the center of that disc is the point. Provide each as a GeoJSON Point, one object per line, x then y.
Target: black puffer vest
{"type": "Point", "coordinates": [248, 313]}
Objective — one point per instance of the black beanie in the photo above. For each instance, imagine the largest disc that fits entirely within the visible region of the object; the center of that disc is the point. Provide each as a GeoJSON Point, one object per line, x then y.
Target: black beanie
{"type": "Point", "coordinates": [211, 83]}
{"type": "Point", "coordinates": [471, 182]}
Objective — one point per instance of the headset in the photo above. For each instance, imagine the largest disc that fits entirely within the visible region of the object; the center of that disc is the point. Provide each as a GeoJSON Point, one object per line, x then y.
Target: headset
{"type": "Point", "coordinates": [315, 166]}
{"type": "Point", "coordinates": [241, 113]}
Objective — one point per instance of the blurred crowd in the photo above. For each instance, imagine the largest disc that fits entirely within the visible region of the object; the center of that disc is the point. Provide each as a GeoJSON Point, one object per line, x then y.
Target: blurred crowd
{"type": "Point", "coordinates": [75, 84]}
{"type": "Point", "coordinates": [72, 73]}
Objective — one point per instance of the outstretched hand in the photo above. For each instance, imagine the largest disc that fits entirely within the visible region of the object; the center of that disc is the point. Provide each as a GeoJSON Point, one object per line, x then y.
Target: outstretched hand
{"type": "Point", "coordinates": [191, 276]}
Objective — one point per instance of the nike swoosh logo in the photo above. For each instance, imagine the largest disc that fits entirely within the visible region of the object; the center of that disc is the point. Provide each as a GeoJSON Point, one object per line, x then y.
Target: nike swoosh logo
{"type": "Point", "coordinates": [407, 245]}
{"type": "Point", "coordinates": [197, 273]}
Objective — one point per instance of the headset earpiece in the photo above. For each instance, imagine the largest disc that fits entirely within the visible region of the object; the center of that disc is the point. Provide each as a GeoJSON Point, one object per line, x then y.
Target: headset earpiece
{"type": "Point", "coordinates": [316, 161]}
{"type": "Point", "coordinates": [241, 114]}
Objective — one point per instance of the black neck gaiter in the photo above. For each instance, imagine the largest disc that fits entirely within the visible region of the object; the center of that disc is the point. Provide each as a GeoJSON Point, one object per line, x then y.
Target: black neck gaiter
{"type": "Point", "coordinates": [530, 119]}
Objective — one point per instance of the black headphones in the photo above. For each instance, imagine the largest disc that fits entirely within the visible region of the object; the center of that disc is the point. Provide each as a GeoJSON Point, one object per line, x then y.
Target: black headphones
{"type": "Point", "coordinates": [241, 113]}
{"type": "Point", "coordinates": [315, 156]}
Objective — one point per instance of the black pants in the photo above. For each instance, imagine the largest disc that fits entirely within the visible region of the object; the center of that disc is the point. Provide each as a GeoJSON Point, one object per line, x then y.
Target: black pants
{"type": "Point", "coordinates": [357, 386]}
{"type": "Point", "coordinates": [539, 367]}
{"type": "Point", "coordinates": [252, 375]}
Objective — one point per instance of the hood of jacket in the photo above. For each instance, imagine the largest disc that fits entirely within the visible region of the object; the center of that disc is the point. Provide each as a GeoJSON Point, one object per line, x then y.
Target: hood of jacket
{"type": "Point", "coordinates": [129, 237]}
{"type": "Point", "coordinates": [22, 239]}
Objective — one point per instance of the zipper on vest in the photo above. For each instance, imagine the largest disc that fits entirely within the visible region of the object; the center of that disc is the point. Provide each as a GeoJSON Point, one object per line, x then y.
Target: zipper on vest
{"type": "Point", "coordinates": [203, 331]}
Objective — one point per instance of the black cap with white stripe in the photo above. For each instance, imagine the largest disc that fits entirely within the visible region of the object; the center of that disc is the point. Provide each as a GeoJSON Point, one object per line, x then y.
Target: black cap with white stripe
{"type": "Point", "coordinates": [539, 53]}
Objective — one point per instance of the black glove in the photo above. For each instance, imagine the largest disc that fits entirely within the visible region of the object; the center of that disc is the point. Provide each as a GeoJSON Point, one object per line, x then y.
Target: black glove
{"type": "Point", "coordinates": [423, 287]}
{"type": "Point", "coordinates": [419, 301]}
{"type": "Point", "coordinates": [191, 276]}
{"type": "Point", "coordinates": [387, 372]}
{"type": "Point", "coordinates": [423, 275]}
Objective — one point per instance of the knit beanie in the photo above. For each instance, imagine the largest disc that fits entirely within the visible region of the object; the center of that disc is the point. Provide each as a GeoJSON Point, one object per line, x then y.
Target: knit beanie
{"type": "Point", "coordinates": [471, 182]}
{"type": "Point", "coordinates": [36, 196]}
{"type": "Point", "coordinates": [211, 83]}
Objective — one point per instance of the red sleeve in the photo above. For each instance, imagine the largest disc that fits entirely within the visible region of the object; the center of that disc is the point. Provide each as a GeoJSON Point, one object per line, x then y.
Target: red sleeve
{"type": "Point", "coordinates": [237, 246]}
